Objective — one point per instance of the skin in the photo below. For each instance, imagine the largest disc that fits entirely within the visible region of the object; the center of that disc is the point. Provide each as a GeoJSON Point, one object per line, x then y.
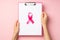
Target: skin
{"type": "Point", "coordinates": [44, 24]}
{"type": "Point", "coordinates": [16, 30]}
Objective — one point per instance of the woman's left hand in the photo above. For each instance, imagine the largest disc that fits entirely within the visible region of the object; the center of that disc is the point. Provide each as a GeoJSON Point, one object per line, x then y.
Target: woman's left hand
{"type": "Point", "coordinates": [16, 30]}
{"type": "Point", "coordinates": [16, 27]}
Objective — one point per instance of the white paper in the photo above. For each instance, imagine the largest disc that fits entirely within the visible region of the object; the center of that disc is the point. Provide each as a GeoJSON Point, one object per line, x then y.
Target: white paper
{"type": "Point", "coordinates": [30, 28]}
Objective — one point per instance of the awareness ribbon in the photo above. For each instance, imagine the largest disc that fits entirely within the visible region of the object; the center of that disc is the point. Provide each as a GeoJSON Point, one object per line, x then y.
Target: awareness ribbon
{"type": "Point", "coordinates": [30, 16]}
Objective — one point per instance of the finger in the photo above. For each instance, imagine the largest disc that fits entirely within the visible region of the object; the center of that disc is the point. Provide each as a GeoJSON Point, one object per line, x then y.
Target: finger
{"type": "Point", "coordinates": [16, 22]}
{"type": "Point", "coordinates": [42, 15]}
{"type": "Point", "coordinates": [45, 14]}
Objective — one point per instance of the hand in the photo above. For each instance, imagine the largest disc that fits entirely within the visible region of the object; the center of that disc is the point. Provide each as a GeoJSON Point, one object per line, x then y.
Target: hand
{"type": "Point", "coordinates": [16, 27]}
{"type": "Point", "coordinates": [44, 23]}
{"type": "Point", "coordinates": [44, 19]}
{"type": "Point", "coordinates": [16, 31]}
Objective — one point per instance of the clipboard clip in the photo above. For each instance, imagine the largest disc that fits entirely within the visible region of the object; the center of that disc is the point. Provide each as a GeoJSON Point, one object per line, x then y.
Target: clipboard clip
{"type": "Point", "coordinates": [30, 3]}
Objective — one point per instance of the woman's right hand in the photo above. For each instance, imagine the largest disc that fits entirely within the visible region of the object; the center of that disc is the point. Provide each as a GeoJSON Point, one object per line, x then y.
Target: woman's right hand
{"type": "Point", "coordinates": [44, 24]}
{"type": "Point", "coordinates": [44, 19]}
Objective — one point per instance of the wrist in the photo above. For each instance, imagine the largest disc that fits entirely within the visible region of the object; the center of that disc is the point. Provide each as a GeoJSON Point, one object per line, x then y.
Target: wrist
{"type": "Point", "coordinates": [44, 26]}
{"type": "Point", "coordinates": [14, 37]}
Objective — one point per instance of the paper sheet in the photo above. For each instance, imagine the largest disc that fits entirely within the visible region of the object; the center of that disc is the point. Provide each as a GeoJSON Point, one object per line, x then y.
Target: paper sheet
{"type": "Point", "coordinates": [30, 19]}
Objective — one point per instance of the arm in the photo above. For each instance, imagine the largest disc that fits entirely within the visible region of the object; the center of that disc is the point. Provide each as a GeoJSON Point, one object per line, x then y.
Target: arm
{"type": "Point", "coordinates": [15, 33]}
{"type": "Point", "coordinates": [46, 34]}
{"type": "Point", "coordinates": [44, 23]}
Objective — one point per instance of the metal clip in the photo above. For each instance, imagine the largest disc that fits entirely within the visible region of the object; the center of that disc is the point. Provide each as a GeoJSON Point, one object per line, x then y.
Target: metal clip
{"type": "Point", "coordinates": [30, 3]}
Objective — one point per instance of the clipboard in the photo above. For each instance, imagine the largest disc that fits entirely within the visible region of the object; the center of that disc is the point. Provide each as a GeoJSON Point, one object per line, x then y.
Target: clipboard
{"type": "Point", "coordinates": [30, 19]}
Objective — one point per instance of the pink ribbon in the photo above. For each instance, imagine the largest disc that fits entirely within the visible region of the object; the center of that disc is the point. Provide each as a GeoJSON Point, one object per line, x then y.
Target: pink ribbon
{"type": "Point", "coordinates": [30, 15]}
